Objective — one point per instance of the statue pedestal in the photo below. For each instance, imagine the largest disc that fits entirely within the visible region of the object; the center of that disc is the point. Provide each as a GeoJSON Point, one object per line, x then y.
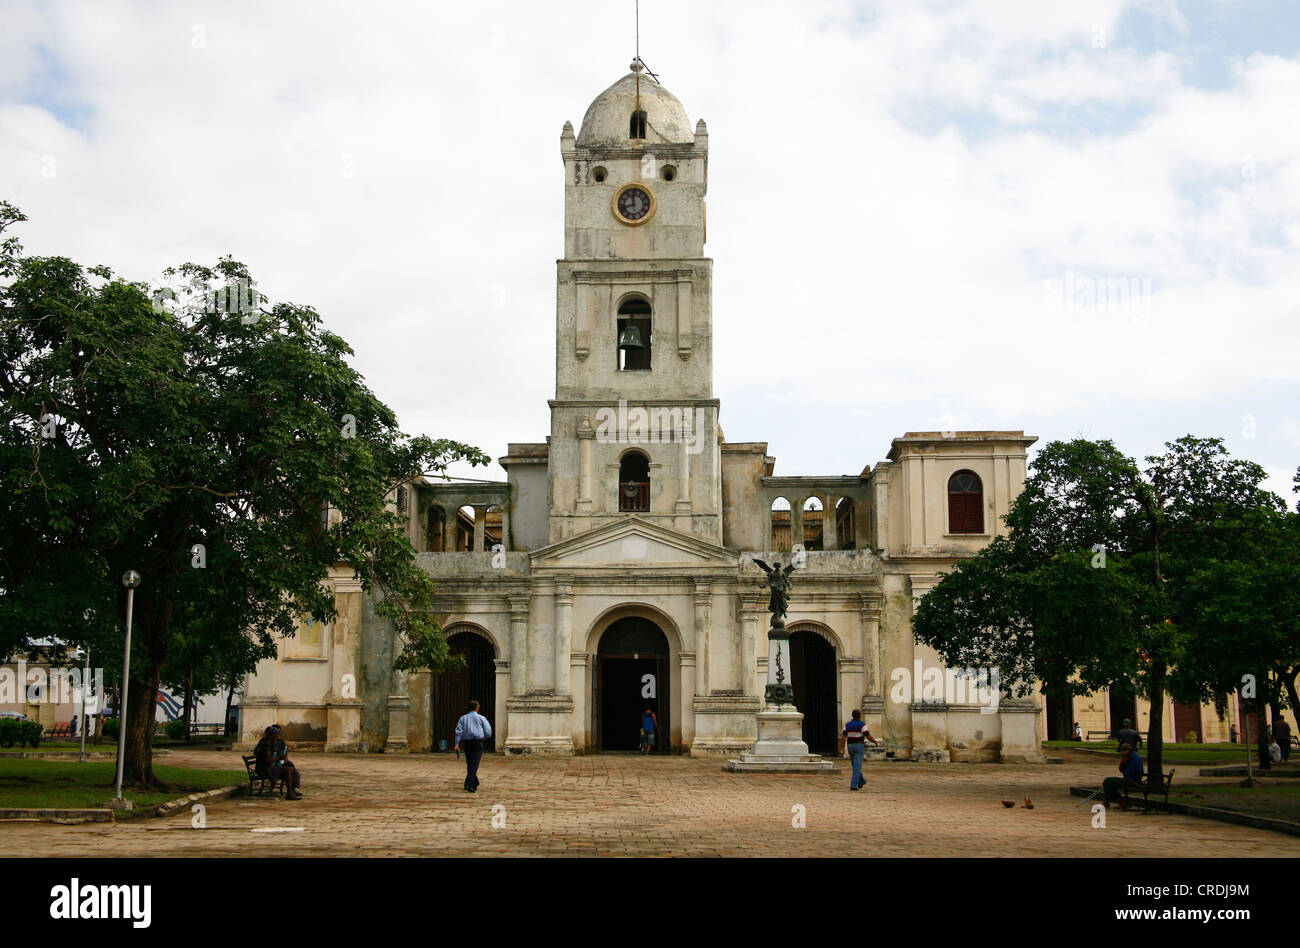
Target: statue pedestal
{"type": "Point", "coordinates": [780, 747]}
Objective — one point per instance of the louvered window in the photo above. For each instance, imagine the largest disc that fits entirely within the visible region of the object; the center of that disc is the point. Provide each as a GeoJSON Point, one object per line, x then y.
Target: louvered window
{"type": "Point", "coordinates": [965, 503]}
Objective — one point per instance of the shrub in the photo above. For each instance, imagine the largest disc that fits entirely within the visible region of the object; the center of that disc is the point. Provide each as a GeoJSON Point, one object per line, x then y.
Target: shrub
{"type": "Point", "coordinates": [175, 729]}
{"type": "Point", "coordinates": [110, 727]}
{"type": "Point", "coordinates": [1192, 737]}
{"type": "Point", "coordinates": [9, 731]}
{"type": "Point", "coordinates": [29, 732]}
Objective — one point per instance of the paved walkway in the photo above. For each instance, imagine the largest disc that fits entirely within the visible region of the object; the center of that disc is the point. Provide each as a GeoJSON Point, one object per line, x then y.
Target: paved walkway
{"type": "Point", "coordinates": [380, 805]}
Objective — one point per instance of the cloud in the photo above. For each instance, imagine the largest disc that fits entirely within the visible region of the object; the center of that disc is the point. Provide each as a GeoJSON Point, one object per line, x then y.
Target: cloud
{"type": "Point", "coordinates": [892, 190]}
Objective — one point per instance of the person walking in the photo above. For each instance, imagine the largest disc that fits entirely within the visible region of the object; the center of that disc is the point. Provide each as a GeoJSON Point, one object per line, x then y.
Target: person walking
{"type": "Point", "coordinates": [471, 731]}
{"type": "Point", "coordinates": [1129, 736]}
{"type": "Point", "coordinates": [856, 736]}
{"type": "Point", "coordinates": [649, 727]}
{"type": "Point", "coordinates": [1282, 734]}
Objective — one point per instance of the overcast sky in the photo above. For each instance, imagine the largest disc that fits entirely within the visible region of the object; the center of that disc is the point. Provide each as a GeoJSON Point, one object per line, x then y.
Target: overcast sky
{"type": "Point", "coordinates": [913, 206]}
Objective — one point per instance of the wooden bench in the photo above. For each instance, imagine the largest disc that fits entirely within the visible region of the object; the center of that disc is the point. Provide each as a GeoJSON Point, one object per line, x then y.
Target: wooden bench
{"type": "Point", "coordinates": [200, 730]}
{"type": "Point", "coordinates": [258, 785]}
{"type": "Point", "coordinates": [1098, 735]}
{"type": "Point", "coordinates": [60, 729]}
{"type": "Point", "coordinates": [1143, 787]}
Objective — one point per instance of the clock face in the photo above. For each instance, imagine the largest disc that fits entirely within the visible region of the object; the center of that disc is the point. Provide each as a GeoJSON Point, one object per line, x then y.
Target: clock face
{"type": "Point", "coordinates": [634, 204]}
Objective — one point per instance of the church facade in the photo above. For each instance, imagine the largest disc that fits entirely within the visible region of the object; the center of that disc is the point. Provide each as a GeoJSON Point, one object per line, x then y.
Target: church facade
{"type": "Point", "coordinates": [613, 570]}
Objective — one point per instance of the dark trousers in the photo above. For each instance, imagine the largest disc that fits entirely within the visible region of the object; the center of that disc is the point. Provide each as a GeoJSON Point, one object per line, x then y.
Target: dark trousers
{"type": "Point", "coordinates": [473, 754]}
{"type": "Point", "coordinates": [1113, 787]}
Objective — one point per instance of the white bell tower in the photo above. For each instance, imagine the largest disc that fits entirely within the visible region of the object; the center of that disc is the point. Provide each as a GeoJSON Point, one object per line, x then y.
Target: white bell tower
{"type": "Point", "coordinates": [634, 424]}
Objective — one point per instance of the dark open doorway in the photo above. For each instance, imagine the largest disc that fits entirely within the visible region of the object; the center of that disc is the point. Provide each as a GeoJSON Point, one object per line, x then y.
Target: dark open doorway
{"type": "Point", "coordinates": [1123, 704]}
{"type": "Point", "coordinates": [631, 675]}
{"type": "Point", "coordinates": [453, 690]}
{"type": "Point", "coordinates": [813, 674]}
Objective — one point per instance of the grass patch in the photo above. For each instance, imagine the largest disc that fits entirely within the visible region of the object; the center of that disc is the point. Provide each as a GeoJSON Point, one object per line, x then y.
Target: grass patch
{"type": "Point", "coordinates": [1277, 800]}
{"type": "Point", "coordinates": [1208, 754]}
{"type": "Point", "coordinates": [59, 784]}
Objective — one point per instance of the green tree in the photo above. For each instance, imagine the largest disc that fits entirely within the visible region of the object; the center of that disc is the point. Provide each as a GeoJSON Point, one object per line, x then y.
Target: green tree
{"type": "Point", "coordinates": [1240, 606]}
{"type": "Point", "coordinates": [137, 425]}
{"type": "Point", "coordinates": [1088, 586]}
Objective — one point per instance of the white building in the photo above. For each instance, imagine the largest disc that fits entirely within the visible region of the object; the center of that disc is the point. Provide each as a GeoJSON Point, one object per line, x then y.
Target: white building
{"type": "Point", "coordinates": [624, 575]}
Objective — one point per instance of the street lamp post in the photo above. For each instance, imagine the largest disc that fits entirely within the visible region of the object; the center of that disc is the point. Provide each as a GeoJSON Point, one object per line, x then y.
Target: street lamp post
{"type": "Point", "coordinates": [130, 579]}
{"type": "Point", "coordinates": [85, 683]}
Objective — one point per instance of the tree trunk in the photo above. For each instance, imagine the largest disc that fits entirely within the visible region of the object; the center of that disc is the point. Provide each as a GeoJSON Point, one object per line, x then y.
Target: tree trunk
{"type": "Point", "coordinates": [1288, 681]}
{"type": "Point", "coordinates": [1059, 723]}
{"type": "Point", "coordinates": [137, 767]}
{"type": "Point", "coordinates": [189, 703]}
{"type": "Point", "coordinates": [1155, 731]}
{"type": "Point", "coordinates": [230, 699]}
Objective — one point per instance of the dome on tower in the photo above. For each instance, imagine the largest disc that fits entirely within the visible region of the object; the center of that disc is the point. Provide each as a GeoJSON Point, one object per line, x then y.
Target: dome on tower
{"type": "Point", "coordinates": [611, 118]}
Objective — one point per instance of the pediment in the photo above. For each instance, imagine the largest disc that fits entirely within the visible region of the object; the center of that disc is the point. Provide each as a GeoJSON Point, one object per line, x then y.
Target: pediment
{"type": "Point", "coordinates": [634, 543]}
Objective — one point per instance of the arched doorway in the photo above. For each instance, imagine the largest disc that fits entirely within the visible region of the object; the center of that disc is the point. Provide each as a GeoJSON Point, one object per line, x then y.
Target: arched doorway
{"type": "Point", "coordinates": [453, 690]}
{"type": "Point", "coordinates": [813, 674]}
{"type": "Point", "coordinates": [631, 674]}
{"type": "Point", "coordinates": [1123, 704]}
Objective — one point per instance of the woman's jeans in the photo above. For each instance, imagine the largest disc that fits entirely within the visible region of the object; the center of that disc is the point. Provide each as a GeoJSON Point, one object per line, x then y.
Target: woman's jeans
{"type": "Point", "coordinates": [856, 752]}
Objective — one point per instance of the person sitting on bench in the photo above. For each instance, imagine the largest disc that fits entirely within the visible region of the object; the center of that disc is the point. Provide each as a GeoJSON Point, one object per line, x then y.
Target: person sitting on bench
{"type": "Point", "coordinates": [1130, 768]}
{"type": "Point", "coordinates": [272, 760]}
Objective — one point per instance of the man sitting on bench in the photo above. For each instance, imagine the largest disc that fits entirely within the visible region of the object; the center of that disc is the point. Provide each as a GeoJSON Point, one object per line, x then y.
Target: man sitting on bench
{"type": "Point", "coordinates": [1130, 767]}
{"type": "Point", "coordinates": [272, 760]}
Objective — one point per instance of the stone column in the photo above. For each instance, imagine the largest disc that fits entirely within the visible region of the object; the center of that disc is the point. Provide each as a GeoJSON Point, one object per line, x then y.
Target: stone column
{"type": "Point", "coordinates": [399, 703]}
{"type": "Point", "coordinates": [830, 532]}
{"type": "Point", "coordinates": [419, 719]}
{"type": "Point", "coordinates": [684, 477]}
{"type": "Point", "coordinates": [450, 519]}
{"type": "Point", "coordinates": [540, 674]}
{"type": "Point", "coordinates": [518, 643]}
{"type": "Point", "coordinates": [343, 715]}
{"type": "Point", "coordinates": [869, 619]}
{"type": "Point", "coordinates": [480, 527]}
{"type": "Point", "coordinates": [796, 520]}
{"type": "Point", "coordinates": [686, 699]}
{"type": "Point", "coordinates": [685, 332]}
{"type": "Point", "coordinates": [703, 629]}
{"type": "Point", "coordinates": [586, 436]}
{"type": "Point", "coordinates": [563, 636]}
{"type": "Point", "coordinates": [578, 663]}
{"type": "Point", "coordinates": [750, 615]}
{"type": "Point", "coordinates": [500, 716]}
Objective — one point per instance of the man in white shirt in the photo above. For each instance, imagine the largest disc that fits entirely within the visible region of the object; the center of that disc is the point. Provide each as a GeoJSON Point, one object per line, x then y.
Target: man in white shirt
{"type": "Point", "coordinates": [471, 731]}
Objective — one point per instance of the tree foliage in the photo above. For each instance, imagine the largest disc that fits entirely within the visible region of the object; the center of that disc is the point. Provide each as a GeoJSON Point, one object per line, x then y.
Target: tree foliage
{"type": "Point", "coordinates": [1108, 574]}
{"type": "Point", "coordinates": [136, 426]}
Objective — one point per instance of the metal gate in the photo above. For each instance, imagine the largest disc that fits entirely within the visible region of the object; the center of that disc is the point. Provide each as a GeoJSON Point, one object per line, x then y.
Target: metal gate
{"type": "Point", "coordinates": [452, 691]}
{"type": "Point", "coordinates": [813, 674]}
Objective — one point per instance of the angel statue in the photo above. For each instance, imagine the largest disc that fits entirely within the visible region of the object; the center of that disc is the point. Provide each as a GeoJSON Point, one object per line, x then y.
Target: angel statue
{"type": "Point", "coordinates": [778, 580]}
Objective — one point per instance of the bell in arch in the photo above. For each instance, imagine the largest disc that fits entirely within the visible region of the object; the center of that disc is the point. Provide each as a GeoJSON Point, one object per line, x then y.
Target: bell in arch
{"type": "Point", "coordinates": [630, 340]}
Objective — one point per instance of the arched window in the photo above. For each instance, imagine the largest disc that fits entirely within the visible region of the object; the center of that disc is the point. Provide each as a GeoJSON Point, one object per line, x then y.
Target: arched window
{"type": "Point", "coordinates": [634, 482]}
{"type": "Point", "coordinates": [812, 523]}
{"type": "Point", "coordinates": [634, 335]}
{"type": "Point", "coordinates": [780, 524]}
{"type": "Point", "coordinates": [965, 503]}
{"type": "Point", "coordinates": [465, 518]}
{"type": "Point", "coordinates": [846, 524]}
{"type": "Point", "coordinates": [636, 126]}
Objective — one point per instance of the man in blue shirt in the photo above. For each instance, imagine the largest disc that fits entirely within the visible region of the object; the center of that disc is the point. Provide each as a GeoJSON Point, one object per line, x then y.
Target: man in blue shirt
{"type": "Point", "coordinates": [471, 731]}
{"type": "Point", "coordinates": [856, 736]}
{"type": "Point", "coordinates": [1130, 768]}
